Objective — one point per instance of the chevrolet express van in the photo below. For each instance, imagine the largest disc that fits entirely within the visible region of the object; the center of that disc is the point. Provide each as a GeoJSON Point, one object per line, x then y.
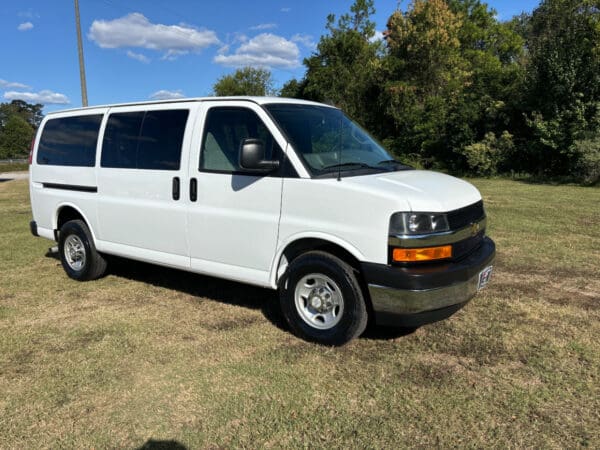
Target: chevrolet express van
{"type": "Point", "coordinates": [286, 194]}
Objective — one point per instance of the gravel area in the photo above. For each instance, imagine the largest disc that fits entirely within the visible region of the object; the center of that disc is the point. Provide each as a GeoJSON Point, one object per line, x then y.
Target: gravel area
{"type": "Point", "coordinates": [7, 176]}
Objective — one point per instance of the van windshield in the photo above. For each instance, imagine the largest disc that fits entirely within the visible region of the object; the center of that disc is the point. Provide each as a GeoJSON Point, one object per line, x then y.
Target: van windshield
{"type": "Point", "coordinates": [328, 141]}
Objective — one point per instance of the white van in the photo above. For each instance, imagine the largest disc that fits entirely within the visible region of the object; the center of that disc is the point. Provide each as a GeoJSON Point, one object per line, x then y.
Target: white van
{"type": "Point", "coordinates": [280, 193]}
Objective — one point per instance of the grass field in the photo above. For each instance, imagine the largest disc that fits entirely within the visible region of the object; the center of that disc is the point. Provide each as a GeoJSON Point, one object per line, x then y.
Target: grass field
{"type": "Point", "coordinates": [148, 354]}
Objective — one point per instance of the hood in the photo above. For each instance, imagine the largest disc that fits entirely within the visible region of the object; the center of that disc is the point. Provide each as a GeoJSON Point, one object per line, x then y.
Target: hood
{"type": "Point", "coordinates": [422, 190]}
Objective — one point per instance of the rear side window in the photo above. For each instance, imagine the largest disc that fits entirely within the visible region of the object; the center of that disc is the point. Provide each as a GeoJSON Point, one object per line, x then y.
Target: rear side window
{"type": "Point", "coordinates": [70, 141]}
{"type": "Point", "coordinates": [144, 140]}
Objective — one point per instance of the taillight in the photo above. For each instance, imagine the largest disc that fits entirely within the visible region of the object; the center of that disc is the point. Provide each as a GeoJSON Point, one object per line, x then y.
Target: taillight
{"type": "Point", "coordinates": [31, 150]}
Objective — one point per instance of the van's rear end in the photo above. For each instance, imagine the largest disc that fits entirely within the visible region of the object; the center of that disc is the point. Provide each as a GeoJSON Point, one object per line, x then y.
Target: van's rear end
{"type": "Point", "coordinates": [62, 168]}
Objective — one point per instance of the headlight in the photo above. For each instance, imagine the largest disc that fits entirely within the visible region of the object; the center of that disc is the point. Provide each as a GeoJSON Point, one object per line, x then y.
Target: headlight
{"type": "Point", "coordinates": [417, 223]}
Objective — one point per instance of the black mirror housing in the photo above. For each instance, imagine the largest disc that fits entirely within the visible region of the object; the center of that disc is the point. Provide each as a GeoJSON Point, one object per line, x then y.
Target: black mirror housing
{"type": "Point", "coordinates": [252, 156]}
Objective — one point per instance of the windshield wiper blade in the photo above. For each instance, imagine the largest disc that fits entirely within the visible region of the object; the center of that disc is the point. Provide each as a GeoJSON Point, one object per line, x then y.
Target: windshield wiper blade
{"type": "Point", "coordinates": [396, 162]}
{"type": "Point", "coordinates": [358, 165]}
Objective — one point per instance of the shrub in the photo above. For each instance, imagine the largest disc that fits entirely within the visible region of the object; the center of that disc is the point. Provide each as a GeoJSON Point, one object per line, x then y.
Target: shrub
{"type": "Point", "coordinates": [587, 167]}
{"type": "Point", "coordinates": [486, 156]}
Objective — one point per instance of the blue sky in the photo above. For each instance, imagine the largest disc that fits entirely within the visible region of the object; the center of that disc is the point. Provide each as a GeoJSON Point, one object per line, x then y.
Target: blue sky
{"type": "Point", "coordinates": [143, 49]}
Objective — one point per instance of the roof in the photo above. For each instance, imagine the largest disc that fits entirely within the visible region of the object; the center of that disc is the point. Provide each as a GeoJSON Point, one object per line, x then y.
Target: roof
{"type": "Point", "coordinates": [258, 100]}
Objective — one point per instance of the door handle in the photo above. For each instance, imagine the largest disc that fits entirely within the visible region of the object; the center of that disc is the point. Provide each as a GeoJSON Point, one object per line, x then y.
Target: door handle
{"type": "Point", "coordinates": [176, 189]}
{"type": "Point", "coordinates": [193, 189]}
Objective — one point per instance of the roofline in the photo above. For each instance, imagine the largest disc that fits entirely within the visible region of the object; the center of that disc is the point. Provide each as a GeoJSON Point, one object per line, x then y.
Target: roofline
{"type": "Point", "coordinates": [257, 100]}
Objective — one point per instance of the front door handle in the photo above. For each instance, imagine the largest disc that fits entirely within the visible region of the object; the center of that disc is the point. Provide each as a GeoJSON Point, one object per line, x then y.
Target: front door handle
{"type": "Point", "coordinates": [176, 188]}
{"type": "Point", "coordinates": [193, 189]}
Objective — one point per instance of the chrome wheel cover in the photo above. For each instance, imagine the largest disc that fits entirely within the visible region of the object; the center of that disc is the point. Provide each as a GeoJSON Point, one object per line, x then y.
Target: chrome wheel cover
{"type": "Point", "coordinates": [74, 252]}
{"type": "Point", "coordinates": [319, 301]}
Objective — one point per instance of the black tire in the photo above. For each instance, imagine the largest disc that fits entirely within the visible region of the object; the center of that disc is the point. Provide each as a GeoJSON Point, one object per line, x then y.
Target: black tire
{"type": "Point", "coordinates": [93, 265]}
{"type": "Point", "coordinates": [352, 319]}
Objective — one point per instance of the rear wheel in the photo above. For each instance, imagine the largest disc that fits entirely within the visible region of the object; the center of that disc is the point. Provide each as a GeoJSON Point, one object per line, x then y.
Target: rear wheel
{"type": "Point", "coordinates": [321, 299]}
{"type": "Point", "coordinates": [78, 253]}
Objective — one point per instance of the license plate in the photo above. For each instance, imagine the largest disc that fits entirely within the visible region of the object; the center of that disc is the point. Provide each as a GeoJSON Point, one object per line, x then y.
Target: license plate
{"type": "Point", "coordinates": [484, 277]}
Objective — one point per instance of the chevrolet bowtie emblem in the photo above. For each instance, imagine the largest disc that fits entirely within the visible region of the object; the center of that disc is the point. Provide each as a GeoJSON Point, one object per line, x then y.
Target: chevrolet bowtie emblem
{"type": "Point", "coordinates": [474, 229]}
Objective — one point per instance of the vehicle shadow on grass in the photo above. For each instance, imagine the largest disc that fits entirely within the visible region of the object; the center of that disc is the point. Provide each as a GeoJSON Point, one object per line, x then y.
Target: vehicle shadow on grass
{"type": "Point", "coordinates": [220, 290]}
{"type": "Point", "coordinates": [152, 444]}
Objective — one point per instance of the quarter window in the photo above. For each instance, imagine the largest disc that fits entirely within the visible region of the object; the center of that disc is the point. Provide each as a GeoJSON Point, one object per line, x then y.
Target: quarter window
{"type": "Point", "coordinates": [70, 141]}
{"type": "Point", "coordinates": [224, 131]}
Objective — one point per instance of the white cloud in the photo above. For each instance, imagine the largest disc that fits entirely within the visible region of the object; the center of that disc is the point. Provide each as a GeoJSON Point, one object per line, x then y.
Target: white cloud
{"type": "Point", "coordinates": [135, 30]}
{"type": "Point", "coordinates": [29, 14]}
{"type": "Point", "coordinates": [286, 10]}
{"type": "Point", "coordinates": [378, 36]}
{"type": "Point", "coordinates": [25, 26]}
{"type": "Point", "coordinates": [304, 39]}
{"type": "Point", "coordinates": [172, 55]}
{"type": "Point", "coordinates": [138, 56]}
{"type": "Point", "coordinates": [12, 85]}
{"type": "Point", "coordinates": [264, 50]}
{"type": "Point", "coordinates": [163, 94]}
{"type": "Point", "coordinates": [44, 97]}
{"type": "Point", "coordinates": [264, 26]}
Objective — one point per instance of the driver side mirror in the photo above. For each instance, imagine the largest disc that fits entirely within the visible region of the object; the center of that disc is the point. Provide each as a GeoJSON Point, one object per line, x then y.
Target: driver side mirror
{"type": "Point", "coordinates": [252, 156]}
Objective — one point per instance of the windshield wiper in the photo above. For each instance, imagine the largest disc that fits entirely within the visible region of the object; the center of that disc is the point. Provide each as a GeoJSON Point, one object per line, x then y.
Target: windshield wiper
{"type": "Point", "coordinates": [398, 164]}
{"type": "Point", "coordinates": [358, 165]}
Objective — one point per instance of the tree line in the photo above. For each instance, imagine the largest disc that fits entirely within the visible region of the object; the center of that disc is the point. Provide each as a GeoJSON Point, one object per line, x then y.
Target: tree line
{"type": "Point", "coordinates": [449, 87]}
{"type": "Point", "coordinates": [452, 87]}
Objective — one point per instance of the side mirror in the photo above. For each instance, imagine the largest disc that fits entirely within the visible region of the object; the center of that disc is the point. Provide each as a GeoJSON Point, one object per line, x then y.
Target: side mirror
{"type": "Point", "coordinates": [252, 156]}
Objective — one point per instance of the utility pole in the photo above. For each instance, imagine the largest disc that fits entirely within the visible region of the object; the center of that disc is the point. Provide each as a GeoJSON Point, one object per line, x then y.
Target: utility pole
{"type": "Point", "coordinates": [84, 100]}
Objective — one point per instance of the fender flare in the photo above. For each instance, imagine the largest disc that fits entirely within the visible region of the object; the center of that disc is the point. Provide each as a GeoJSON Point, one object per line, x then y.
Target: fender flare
{"type": "Point", "coordinates": [76, 208]}
{"type": "Point", "coordinates": [279, 255]}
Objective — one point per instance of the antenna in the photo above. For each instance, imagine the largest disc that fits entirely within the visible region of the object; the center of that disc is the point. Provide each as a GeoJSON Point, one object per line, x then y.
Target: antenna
{"type": "Point", "coordinates": [84, 100]}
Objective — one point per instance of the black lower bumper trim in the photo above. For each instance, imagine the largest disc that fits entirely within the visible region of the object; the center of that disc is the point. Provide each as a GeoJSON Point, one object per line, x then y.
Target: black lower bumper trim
{"type": "Point", "coordinates": [430, 276]}
{"type": "Point", "coordinates": [416, 320]}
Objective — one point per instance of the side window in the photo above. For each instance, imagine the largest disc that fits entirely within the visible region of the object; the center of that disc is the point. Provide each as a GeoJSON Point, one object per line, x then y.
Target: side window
{"type": "Point", "coordinates": [224, 131]}
{"type": "Point", "coordinates": [161, 138]}
{"type": "Point", "coordinates": [70, 141]}
{"type": "Point", "coordinates": [144, 140]}
{"type": "Point", "coordinates": [119, 148]}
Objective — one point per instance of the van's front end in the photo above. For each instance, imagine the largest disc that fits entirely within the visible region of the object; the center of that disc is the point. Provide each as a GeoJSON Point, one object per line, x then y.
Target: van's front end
{"type": "Point", "coordinates": [437, 261]}
{"type": "Point", "coordinates": [418, 238]}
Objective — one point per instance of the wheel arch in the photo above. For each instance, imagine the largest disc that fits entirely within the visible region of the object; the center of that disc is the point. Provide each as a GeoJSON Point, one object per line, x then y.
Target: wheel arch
{"type": "Point", "coordinates": [66, 212]}
{"type": "Point", "coordinates": [297, 245]}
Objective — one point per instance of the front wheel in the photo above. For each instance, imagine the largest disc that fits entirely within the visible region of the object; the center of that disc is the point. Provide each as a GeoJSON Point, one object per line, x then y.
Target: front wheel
{"type": "Point", "coordinates": [321, 299]}
{"type": "Point", "coordinates": [78, 254]}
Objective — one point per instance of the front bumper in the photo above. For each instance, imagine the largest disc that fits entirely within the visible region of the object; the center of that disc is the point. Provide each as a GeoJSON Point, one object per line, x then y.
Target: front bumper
{"type": "Point", "coordinates": [414, 296]}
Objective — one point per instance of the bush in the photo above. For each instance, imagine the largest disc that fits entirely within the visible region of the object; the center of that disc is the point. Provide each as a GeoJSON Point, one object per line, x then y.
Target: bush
{"type": "Point", "coordinates": [587, 152]}
{"type": "Point", "coordinates": [486, 156]}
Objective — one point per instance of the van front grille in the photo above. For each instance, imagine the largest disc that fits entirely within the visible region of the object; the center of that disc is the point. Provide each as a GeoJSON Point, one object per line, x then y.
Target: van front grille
{"type": "Point", "coordinates": [466, 246]}
{"type": "Point", "coordinates": [460, 218]}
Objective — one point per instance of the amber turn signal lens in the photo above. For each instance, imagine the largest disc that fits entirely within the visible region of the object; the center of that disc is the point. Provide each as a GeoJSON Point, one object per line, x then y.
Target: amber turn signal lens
{"type": "Point", "coordinates": [421, 254]}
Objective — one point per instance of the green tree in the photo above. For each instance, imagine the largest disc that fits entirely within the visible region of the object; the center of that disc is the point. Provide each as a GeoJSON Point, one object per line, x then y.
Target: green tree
{"type": "Point", "coordinates": [245, 81]}
{"type": "Point", "coordinates": [30, 112]}
{"type": "Point", "coordinates": [293, 89]}
{"type": "Point", "coordinates": [491, 101]}
{"type": "Point", "coordinates": [344, 68]}
{"type": "Point", "coordinates": [563, 84]}
{"type": "Point", "coordinates": [425, 78]}
{"type": "Point", "coordinates": [15, 137]}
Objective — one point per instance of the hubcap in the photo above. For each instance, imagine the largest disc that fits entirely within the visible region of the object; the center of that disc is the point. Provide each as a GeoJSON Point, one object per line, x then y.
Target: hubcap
{"type": "Point", "coordinates": [319, 301]}
{"type": "Point", "coordinates": [74, 252]}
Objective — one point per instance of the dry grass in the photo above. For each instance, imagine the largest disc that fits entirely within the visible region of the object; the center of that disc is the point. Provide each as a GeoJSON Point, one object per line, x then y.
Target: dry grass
{"type": "Point", "coordinates": [148, 353]}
